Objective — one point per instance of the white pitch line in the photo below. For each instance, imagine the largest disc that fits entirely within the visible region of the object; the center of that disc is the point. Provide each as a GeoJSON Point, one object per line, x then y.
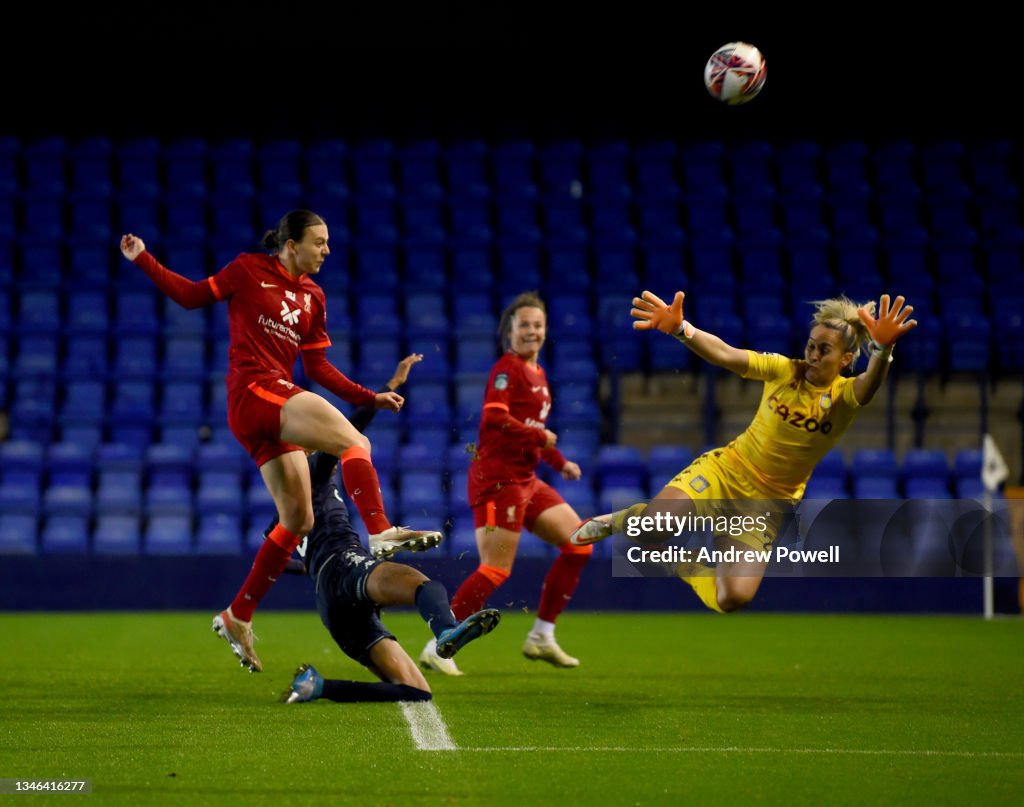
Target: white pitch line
{"type": "Point", "coordinates": [737, 750]}
{"type": "Point", "coordinates": [428, 728]}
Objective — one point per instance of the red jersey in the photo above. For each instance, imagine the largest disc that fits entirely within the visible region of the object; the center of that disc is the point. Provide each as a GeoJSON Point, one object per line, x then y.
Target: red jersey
{"type": "Point", "coordinates": [516, 407]}
{"type": "Point", "coordinates": [272, 317]}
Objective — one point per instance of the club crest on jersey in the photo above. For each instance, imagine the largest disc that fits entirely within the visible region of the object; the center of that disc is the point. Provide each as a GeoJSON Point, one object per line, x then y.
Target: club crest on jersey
{"type": "Point", "coordinates": [825, 401]}
{"type": "Point", "coordinates": [501, 381]}
{"type": "Point", "coordinates": [307, 303]}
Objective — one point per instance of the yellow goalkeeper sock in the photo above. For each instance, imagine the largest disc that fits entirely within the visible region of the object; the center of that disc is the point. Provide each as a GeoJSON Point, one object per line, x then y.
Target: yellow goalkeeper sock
{"type": "Point", "coordinates": [619, 517]}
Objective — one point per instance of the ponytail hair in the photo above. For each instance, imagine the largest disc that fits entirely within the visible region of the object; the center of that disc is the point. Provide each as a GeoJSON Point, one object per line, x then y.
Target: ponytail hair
{"type": "Point", "coordinates": [840, 314]}
{"type": "Point", "coordinates": [291, 227]}
{"type": "Point", "coordinates": [528, 299]}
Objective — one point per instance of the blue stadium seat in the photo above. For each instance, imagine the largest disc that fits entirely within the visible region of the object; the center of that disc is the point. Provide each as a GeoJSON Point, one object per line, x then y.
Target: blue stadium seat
{"type": "Point", "coordinates": [31, 415]}
{"type": "Point", "coordinates": [136, 313]}
{"type": "Point", "coordinates": [279, 166]}
{"type": "Point", "coordinates": [20, 492]}
{"type": "Point", "coordinates": [219, 534]}
{"type": "Point", "coordinates": [925, 473]}
{"type": "Point", "coordinates": [181, 404]}
{"type": "Point", "coordinates": [372, 166]}
{"type": "Point", "coordinates": [232, 163]}
{"type": "Point", "coordinates": [425, 315]}
{"type": "Point", "coordinates": [88, 314]}
{"type": "Point", "coordinates": [513, 165]}
{"type": "Point", "coordinates": [229, 457]}
{"type": "Point", "coordinates": [875, 488]}
{"type": "Point", "coordinates": [219, 492]}
{"type": "Point", "coordinates": [119, 492]}
{"type": "Point", "coordinates": [327, 165]}
{"type": "Point", "coordinates": [17, 532]}
{"type": "Point", "coordinates": [91, 217]}
{"type": "Point", "coordinates": [620, 467]}
{"type": "Point", "coordinates": [39, 311]}
{"type": "Point", "coordinates": [116, 534]}
{"type": "Point", "coordinates": [419, 169]}
{"type": "Point", "coordinates": [259, 504]}
{"type": "Point", "coordinates": [874, 473]}
{"type": "Point", "coordinates": [45, 165]}
{"type": "Point", "coordinates": [120, 456]}
{"type": "Point", "coordinates": [664, 462]}
{"type": "Point", "coordinates": [655, 169]}
{"type": "Point", "coordinates": [185, 167]}
{"type": "Point", "coordinates": [474, 359]}
{"type": "Point", "coordinates": [797, 164]}
{"type": "Point", "coordinates": [132, 403]}
{"type": "Point", "coordinates": [168, 493]}
{"type": "Point", "coordinates": [67, 498]}
{"type": "Point", "coordinates": [621, 349]}
{"type": "Point", "coordinates": [65, 534]}
{"type": "Point", "coordinates": [825, 488]}
{"type": "Point", "coordinates": [168, 534]}
{"type": "Point", "coordinates": [85, 401]}
{"type": "Point", "coordinates": [184, 359]}
{"type": "Point", "coordinates": [135, 357]}
{"type": "Point", "coordinates": [971, 350]}
{"type": "Point", "coordinates": [465, 161]}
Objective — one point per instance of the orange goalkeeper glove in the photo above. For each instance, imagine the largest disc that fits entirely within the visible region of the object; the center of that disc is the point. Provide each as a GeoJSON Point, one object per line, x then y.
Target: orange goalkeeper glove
{"type": "Point", "coordinates": [891, 323]}
{"type": "Point", "coordinates": [653, 313]}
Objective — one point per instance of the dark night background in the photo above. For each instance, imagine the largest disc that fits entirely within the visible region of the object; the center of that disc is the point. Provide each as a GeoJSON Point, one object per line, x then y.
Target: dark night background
{"type": "Point", "coordinates": [525, 68]}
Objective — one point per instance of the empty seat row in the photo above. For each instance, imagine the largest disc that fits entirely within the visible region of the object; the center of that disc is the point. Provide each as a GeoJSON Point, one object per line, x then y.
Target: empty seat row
{"type": "Point", "coordinates": [427, 167]}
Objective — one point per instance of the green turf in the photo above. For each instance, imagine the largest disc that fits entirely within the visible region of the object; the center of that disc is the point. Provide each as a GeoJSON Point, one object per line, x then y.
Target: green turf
{"type": "Point", "coordinates": [744, 709]}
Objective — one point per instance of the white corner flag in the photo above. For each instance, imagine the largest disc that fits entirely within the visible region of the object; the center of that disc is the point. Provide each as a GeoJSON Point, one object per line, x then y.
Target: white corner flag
{"type": "Point", "coordinates": [993, 466]}
{"type": "Point", "coordinates": [993, 472]}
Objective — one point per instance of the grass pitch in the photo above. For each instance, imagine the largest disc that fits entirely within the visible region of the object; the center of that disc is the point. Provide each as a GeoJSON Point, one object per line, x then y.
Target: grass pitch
{"type": "Point", "coordinates": [695, 708]}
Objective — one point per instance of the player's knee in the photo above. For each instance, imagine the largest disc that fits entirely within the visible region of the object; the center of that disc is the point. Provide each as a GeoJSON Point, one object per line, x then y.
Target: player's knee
{"type": "Point", "coordinates": [583, 552]}
{"type": "Point", "coordinates": [730, 601]}
{"type": "Point", "coordinates": [298, 522]}
{"type": "Point", "coordinates": [496, 574]}
{"type": "Point", "coordinates": [358, 441]}
{"type": "Point", "coordinates": [285, 538]}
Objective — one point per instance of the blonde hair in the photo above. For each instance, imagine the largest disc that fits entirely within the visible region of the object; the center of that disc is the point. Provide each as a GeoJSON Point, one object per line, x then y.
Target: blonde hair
{"type": "Point", "coordinates": [840, 314]}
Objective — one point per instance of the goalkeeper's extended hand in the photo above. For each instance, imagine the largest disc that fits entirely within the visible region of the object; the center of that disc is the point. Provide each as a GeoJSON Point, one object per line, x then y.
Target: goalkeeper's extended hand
{"type": "Point", "coordinates": [653, 313]}
{"type": "Point", "coordinates": [891, 324]}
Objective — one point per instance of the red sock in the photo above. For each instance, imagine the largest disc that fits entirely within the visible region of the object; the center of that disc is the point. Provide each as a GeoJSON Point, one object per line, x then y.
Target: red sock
{"type": "Point", "coordinates": [363, 488]}
{"type": "Point", "coordinates": [266, 568]}
{"type": "Point", "coordinates": [475, 590]}
{"type": "Point", "coordinates": [560, 583]}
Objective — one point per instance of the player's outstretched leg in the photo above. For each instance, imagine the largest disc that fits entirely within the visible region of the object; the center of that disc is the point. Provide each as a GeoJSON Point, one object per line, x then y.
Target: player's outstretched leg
{"type": "Point", "coordinates": [307, 685]}
{"type": "Point", "coordinates": [384, 545]}
{"type": "Point", "coordinates": [600, 527]}
{"type": "Point", "coordinates": [474, 626]}
{"type": "Point", "coordinates": [239, 636]}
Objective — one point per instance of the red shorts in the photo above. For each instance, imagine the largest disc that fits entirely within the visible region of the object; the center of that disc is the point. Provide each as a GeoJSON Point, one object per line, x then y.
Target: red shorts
{"type": "Point", "coordinates": [516, 504]}
{"type": "Point", "coordinates": [254, 416]}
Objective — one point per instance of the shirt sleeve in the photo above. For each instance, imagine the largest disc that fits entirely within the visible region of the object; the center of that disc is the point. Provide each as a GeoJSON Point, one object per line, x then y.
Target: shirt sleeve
{"type": "Point", "coordinates": [315, 363]}
{"type": "Point", "coordinates": [768, 366]}
{"type": "Point", "coordinates": [553, 457]}
{"type": "Point", "coordinates": [186, 293]}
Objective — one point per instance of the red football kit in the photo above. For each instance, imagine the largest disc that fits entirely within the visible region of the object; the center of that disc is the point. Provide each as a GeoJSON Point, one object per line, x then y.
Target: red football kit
{"type": "Point", "coordinates": [272, 317]}
{"type": "Point", "coordinates": [511, 443]}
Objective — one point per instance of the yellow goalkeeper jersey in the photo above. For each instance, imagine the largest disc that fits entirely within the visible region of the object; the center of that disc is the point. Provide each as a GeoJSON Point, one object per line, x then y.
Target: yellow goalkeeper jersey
{"type": "Point", "coordinates": [795, 426]}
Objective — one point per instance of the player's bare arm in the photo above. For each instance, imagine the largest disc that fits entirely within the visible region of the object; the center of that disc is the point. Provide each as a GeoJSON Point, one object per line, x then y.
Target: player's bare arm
{"type": "Point", "coordinates": [893, 321]}
{"type": "Point", "coordinates": [653, 313]}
